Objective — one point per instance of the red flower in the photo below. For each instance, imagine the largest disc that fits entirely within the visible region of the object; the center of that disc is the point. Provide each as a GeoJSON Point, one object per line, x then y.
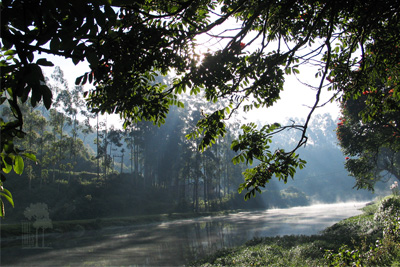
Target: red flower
{"type": "Point", "coordinates": [347, 158]}
{"type": "Point", "coordinates": [242, 45]}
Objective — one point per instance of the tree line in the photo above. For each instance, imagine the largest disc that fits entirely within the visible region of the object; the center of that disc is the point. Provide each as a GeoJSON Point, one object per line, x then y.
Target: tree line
{"type": "Point", "coordinates": [71, 143]}
{"type": "Point", "coordinates": [352, 46]}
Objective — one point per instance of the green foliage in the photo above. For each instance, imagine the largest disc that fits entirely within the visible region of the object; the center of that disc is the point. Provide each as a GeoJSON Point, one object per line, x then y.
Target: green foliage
{"type": "Point", "coordinates": [7, 195]}
{"type": "Point", "coordinates": [253, 144]}
{"type": "Point", "coordinates": [71, 182]}
{"type": "Point", "coordinates": [210, 127]}
{"type": "Point", "coordinates": [381, 253]}
{"type": "Point", "coordinates": [130, 45]}
{"type": "Point", "coordinates": [11, 159]}
{"type": "Point", "coordinates": [371, 143]}
{"type": "Point", "coordinates": [271, 251]}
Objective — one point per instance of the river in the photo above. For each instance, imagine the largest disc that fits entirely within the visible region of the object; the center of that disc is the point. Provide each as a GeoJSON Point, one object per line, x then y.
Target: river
{"type": "Point", "coordinates": [174, 243]}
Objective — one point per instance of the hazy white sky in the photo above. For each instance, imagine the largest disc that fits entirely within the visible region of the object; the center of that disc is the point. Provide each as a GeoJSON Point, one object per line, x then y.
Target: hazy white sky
{"type": "Point", "coordinates": [295, 102]}
{"type": "Point", "coordinates": [296, 99]}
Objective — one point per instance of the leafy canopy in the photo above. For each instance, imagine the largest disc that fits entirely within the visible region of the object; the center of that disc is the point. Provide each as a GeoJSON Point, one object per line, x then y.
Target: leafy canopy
{"type": "Point", "coordinates": [370, 138]}
{"type": "Point", "coordinates": [353, 44]}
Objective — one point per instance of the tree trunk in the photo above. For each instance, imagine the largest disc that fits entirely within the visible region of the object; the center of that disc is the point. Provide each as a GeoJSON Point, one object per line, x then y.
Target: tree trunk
{"type": "Point", "coordinates": [205, 185]}
{"type": "Point", "coordinates": [98, 157]}
{"type": "Point", "coordinates": [122, 162]}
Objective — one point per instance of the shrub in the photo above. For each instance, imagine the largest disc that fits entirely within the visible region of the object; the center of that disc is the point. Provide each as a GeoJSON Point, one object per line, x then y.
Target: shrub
{"type": "Point", "coordinates": [384, 251]}
{"type": "Point", "coordinates": [389, 208]}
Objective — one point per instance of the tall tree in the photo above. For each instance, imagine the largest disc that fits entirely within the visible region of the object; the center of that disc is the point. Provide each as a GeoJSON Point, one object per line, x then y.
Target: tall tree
{"type": "Point", "coordinates": [114, 138]}
{"type": "Point", "coordinates": [370, 138]}
{"type": "Point", "coordinates": [129, 139]}
{"type": "Point", "coordinates": [75, 107]}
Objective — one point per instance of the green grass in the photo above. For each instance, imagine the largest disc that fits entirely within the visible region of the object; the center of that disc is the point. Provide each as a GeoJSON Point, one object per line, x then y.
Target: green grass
{"type": "Point", "coordinates": [355, 238]}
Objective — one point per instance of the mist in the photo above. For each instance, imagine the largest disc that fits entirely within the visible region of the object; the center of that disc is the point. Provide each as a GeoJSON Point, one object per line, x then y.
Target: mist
{"type": "Point", "coordinates": [95, 184]}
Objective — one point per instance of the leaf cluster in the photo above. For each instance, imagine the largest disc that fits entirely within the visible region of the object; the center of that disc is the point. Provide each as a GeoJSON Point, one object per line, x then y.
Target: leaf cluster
{"type": "Point", "coordinates": [370, 139]}
{"type": "Point", "coordinates": [253, 144]}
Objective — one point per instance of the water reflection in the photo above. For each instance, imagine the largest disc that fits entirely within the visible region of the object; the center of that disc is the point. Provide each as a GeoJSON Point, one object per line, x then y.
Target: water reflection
{"type": "Point", "coordinates": [173, 243]}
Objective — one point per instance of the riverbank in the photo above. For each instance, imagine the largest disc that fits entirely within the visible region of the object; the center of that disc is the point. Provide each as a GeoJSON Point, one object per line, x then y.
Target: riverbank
{"type": "Point", "coordinates": [167, 240]}
{"type": "Point", "coordinates": [356, 241]}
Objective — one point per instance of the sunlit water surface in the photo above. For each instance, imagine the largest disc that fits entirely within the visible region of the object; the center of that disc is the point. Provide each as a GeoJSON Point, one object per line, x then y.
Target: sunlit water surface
{"type": "Point", "coordinates": [173, 243]}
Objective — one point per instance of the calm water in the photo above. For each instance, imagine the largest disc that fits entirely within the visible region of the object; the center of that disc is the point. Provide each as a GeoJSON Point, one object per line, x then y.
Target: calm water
{"type": "Point", "coordinates": [173, 243]}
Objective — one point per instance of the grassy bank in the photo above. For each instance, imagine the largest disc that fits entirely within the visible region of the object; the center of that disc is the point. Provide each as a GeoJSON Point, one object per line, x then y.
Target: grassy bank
{"type": "Point", "coordinates": [369, 239]}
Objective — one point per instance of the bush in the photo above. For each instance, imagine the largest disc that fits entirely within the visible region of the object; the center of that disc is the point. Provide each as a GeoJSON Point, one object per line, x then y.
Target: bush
{"type": "Point", "coordinates": [389, 208]}
{"type": "Point", "coordinates": [384, 251]}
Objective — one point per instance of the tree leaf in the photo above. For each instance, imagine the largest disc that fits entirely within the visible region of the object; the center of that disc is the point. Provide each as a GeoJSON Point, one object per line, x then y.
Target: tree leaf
{"type": "Point", "coordinates": [79, 80]}
{"type": "Point", "coordinates": [7, 167]}
{"type": "Point", "coordinates": [18, 164]}
{"type": "Point", "coordinates": [44, 62]}
{"type": "Point", "coordinates": [91, 57]}
{"type": "Point", "coordinates": [55, 43]}
{"type": "Point", "coordinates": [2, 211]}
{"type": "Point", "coordinates": [30, 156]}
{"type": "Point", "coordinates": [7, 195]}
{"type": "Point", "coordinates": [47, 96]}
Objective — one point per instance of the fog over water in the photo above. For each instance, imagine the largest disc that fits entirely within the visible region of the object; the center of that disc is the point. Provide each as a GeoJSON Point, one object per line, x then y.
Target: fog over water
{"type": "Point", "coordinates": [176, 242]}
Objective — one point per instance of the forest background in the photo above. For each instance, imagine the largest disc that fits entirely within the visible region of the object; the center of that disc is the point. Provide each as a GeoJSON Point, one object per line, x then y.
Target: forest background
{"type": "Point", "coordinates": [353, 46]}
{"type": "Point", "coordinates": [89, 169]}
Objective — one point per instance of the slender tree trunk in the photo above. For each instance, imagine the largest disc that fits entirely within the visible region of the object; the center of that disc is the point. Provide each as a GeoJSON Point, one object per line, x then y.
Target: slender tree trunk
{"type": "Point", "coordinates": [54, 171]}
{"type": "Point", "coordinates": [98, 155]}
{"type": "Point", "coordinates": [112, 163]}
{"type": "Point", "coordinates": [122, 162]}
{"type": "Point", "coordinates": [136, 152]}
{"type": "Point", "coordinates": [132, 156]}
{"type": "Point", "coordinates": [205, 185]}
{"type": "Point", "coordinates": [41, 157]}
{"type": "Point", "coordinates": [37, 238]}
{"type": "Point", "coordinates": [226, 188]}
{"type": "Point", "coordinates": [105, 153]}
{"type": "Point", "coordinates": [195, 195]}
{"type": "Point", "coordinates": [61, 141]}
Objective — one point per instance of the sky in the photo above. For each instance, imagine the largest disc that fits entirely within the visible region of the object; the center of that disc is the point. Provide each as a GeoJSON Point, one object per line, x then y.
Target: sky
{"type": "Point", "coordinates": [296, 99]}
{"type": "Point", "coordinates": [295, 102]}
